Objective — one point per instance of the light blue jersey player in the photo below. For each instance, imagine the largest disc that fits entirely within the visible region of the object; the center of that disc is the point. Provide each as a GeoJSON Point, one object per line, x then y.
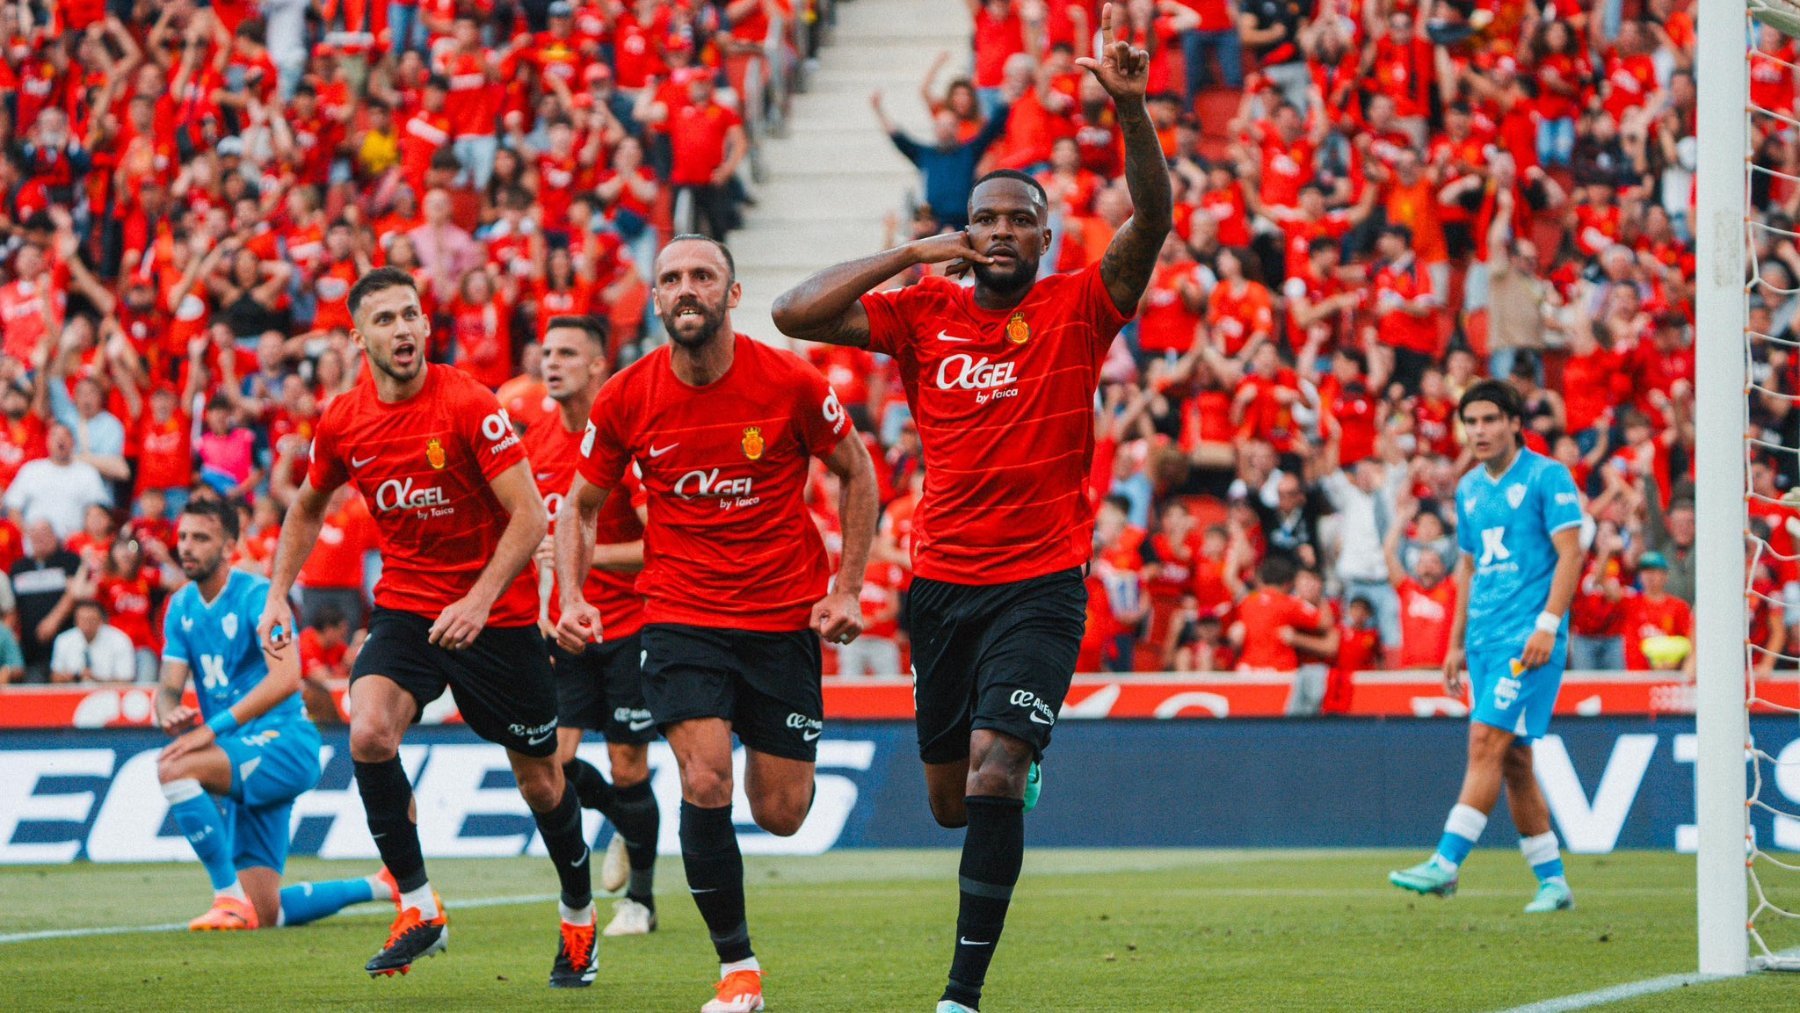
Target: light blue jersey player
{"type": "Point", "coordinates": [249, 750]}
{"type": "Point", "coordinates": [1518, 524]}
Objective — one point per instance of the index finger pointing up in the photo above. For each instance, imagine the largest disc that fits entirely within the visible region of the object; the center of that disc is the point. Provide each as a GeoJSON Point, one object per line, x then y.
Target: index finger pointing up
{"type": "Point", "coordinates": [1106, 27]}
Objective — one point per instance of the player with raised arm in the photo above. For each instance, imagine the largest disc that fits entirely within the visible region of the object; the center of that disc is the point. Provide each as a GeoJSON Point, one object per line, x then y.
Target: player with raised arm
{"type": "Point", "coordinates": [1518, 524]}
{"type": "Point", "coordinates": [458, 518]}
{"type": "Point", "coordinates": [249, 745]}
{"type": "Point", "coordinates": [1001, 379]}
{"type": "Point", "coordinates": [601, 688]}
{"type": "Point", "coordinates": [738, 591]}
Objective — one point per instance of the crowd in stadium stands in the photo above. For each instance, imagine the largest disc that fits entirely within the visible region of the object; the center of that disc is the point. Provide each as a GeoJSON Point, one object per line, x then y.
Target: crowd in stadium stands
{"type": "Point", "coordinates": [1378, 201]}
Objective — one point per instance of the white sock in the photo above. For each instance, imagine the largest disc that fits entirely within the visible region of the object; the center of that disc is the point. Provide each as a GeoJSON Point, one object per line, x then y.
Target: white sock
{"type": "Point", "coordinates": [379, 888]}
{"type": "Point", "coordinates": [421, 899]}
{"type": "Point", "coordinates": [747, 964]}
{"type": "Point", "coordinates": [1539, 849]}
{"type": "Point", "coordinates": [577, 916]}
{"type": "Point", "coordinates": [235, 891]}
{"type": "Point", "coordinates": [181, 790]}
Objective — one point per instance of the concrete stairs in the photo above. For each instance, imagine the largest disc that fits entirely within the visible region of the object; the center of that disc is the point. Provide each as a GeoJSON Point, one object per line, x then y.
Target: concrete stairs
{"type": "Point", "coordinates": [833, 176]}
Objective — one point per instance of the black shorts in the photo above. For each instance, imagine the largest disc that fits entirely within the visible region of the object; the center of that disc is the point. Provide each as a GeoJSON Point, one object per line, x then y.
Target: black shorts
{"type": "Point", "coordinates": [765, 684]}
{"type": "Point", "coordinates": [994, 656]}
{"type": "Point", "coordinates": [502, 683]}
{"type": "Point", "coordinates": [602, 689]}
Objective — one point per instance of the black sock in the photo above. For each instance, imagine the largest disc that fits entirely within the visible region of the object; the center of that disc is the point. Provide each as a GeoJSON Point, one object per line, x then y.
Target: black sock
{"type": "Point", "coordinates": [993, 850]}
{"type": "Point", "coordinates": [591, 788]}
{"type": "Point", "coordinates": [639, 821]}
{"type": "Point", "coordinates": [715, 874]}
{"type": "Point", "coordinates": [568, 849]}
{"type": "Point", "coordinates": [387, 799]}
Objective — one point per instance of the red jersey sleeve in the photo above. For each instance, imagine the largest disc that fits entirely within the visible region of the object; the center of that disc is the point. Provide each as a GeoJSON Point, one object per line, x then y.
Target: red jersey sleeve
{"type": "Point", "coordinates": [818, 413]}
{"type": "Point", "coordinates": [327, 471]}
{"type": "Point", "coordinates": [890, 331]}
{"type": "Point", "coordinates": [604, 453]}
{"type": "Point", "coordinates": [487, 429]}
{"type": "Point", "coordinates": [1097, 305]}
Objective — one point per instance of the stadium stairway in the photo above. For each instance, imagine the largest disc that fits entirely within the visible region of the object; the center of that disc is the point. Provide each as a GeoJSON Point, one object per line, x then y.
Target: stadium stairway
{"type": "Point", "coordinates": [833, 176]}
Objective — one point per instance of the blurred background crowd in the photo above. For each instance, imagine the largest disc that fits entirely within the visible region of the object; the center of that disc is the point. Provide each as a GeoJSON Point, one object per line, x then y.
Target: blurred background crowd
{"type": "Point", "coordinates": [1378, 202]}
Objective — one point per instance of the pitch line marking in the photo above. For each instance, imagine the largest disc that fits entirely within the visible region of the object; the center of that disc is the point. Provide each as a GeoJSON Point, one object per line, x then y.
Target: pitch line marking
{"type": "Point", "coordinates": [1629, 990]}
{"type": "Point", "coordinates": [126, 930]}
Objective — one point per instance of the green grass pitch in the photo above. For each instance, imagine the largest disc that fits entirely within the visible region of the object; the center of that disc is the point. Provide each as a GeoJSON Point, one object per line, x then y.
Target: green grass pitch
{"type": "Point", "coordinates": [870, 930]}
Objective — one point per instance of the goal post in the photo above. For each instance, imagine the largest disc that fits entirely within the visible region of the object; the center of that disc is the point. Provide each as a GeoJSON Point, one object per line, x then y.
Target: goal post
{"type": "Point", "coordinates": [1720, 774]}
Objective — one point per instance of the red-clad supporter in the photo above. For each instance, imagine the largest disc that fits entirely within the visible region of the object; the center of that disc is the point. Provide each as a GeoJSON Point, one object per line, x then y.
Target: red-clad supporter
{"type": "Point", "coordinates": [1268, 619]}
{"type": "Point", "coordinates": [1653, 613]}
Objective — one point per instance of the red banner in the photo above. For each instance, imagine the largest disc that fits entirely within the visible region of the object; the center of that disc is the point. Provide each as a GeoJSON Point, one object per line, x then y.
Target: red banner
{"type": "Point", "coordinates": [1378, 694]}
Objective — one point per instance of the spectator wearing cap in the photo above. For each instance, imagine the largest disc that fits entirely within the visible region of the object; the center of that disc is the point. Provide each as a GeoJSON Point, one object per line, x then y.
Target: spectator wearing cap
{"type": "Point", "coordinates": [92, 650]}
{"type": "Point", "coordinates": [1654, 612]}
{"type": "Point", "coordinates": [946, 166]}
{"type": "Point", "coordinates": [1670, 534]}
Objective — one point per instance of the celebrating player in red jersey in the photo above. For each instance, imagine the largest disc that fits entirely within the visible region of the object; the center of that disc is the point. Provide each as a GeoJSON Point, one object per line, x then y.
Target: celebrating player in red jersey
{"type": "Point", "coordinates": [1001, 379]}
{"type": "Point", "coordinates": [722, 429]}
{"type": "Point", "coordinates": [458, 518]}
{"type": "Point", "coordinates": [601, 687]}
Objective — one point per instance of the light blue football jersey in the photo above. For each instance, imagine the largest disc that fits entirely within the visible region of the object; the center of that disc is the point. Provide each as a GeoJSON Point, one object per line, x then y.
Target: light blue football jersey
{"type": "Point", "coordinates": [1505, 523]}
{"type": "Point", "coordinates": [217, 641]}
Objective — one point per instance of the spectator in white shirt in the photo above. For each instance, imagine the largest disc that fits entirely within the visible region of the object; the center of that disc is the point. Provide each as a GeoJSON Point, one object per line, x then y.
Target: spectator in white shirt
{"type": "Point", "coordinates": [92, 651]}
{"type": "Point", "coordinates": [58, 489]}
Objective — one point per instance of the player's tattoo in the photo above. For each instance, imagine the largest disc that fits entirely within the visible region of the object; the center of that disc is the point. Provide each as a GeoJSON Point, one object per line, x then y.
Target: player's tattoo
{"type": "Point", "coordinates": [1131, 256]}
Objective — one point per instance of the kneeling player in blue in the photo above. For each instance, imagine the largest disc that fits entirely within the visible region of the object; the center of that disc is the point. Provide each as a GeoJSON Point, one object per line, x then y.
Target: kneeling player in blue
{"type": "Point", "coordinates": [1518, 524]}
{"type": "Point", "coordinates": [232, 780]}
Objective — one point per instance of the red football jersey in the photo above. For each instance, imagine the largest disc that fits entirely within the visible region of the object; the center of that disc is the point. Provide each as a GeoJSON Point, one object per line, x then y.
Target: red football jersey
{"type": "Point", "coordinates": [554, 452]}
{"type": "Point", "coordinates": [1004, 404]}
{"type": "Point", "coordinates": [729, 541]}
{"type": "Point", "coordinates": [424, 466]}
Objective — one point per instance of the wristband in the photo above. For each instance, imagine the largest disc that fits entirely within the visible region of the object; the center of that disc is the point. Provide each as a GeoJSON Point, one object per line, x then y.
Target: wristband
{"type": "Point", "coordinates": [1549, 622]}
{"type": "Point", "coordinates": [223, 723]}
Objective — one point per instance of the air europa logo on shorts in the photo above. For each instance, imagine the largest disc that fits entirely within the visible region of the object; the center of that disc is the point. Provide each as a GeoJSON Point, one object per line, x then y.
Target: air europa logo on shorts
{"type": "Point", "coordinates": [1037, 710]}
{"type": "Point", "coordinates": [809, 728]}
{"type": "Point", "coordinates": [966, 372]}
{"type": "Point", "coordinates": [402, 494]}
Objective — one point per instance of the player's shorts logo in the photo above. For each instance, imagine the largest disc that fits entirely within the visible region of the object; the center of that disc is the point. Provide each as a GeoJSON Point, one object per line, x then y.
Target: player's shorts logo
{"type": "Point", "coordinates": [809, 728]}
{"type": "Point", "coordinates": [1037, 710]}
{"type": "Point", "coordinates": [753, 442]}
{"type": "Point", "coordinates": [1017, 330]}
{"type": "Point", "coordinates": [434, 453]}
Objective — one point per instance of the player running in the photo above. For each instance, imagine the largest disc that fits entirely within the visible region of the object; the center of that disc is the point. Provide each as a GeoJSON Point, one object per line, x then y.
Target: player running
{"type": "Point", "coordinates": [458, 519]}
{"type": "Point", "coordinates": [1518, 523]}
{"type": "Point", "coordinates": [249, 746]}
{"type": "Point", "coordinates": [722, 429]}
{"type": "Point", "coordinates": [601, 688]}
{"type": "Point", "coordinates": [1001, 380]}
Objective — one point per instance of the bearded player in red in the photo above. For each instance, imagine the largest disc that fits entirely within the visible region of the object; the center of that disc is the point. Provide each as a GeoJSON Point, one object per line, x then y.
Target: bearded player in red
{"type": "Point", "coordinates": [1001, 379]}
{"type": "Point", "coordinates": [458, 518]}
{"type": "Point", "coordinates": [601, 688]}
{"type": "Point", "coordinates": [736, 582]}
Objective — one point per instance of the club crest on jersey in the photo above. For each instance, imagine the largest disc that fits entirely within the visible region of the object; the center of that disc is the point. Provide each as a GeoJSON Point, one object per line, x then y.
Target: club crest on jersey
{"type": "Point", "coordinates": [753, 442]}
{"type": "Point", "coordinates": [434, 452]}
{"type": "Point", "coordinates": [229, 623]}
{"type": "Point", "coordinates": [1017, 330]}
{"type": "Point", "coordinates": [1515, 494]}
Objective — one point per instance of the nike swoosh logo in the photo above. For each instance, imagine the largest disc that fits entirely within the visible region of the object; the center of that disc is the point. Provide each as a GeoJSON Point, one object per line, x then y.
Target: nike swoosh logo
{"type": "Point", "coordinates": [966, 941]}
{"type": "Point", "coordinates": [579, 862]}
{"type": "Point", "coordinates": [947, 336]}
{"type": "Point", "coordinates": [540, 740]}
{"type": "Point", "coordinates": [544, 476]}
{"type": "Point", "coordinates": [354, 463]}
{"type": "Point", "coordinates": [1040, 719]}
{"type": "Point", "coordinates": [659, 451]}
{"type": "Point", "coordinates": [809, 736]}
{"type": "Point", "coordinates": [710, 889]}
{"type": "Point", "coordinates": [638, 726]}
